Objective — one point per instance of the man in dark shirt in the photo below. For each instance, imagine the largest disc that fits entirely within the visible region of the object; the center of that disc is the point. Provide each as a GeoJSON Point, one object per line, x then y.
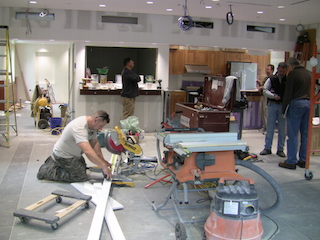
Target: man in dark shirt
{"type": "Point", "coordinates": [130, 89]}
{"type": "Point", "coordinates": [296, 107]}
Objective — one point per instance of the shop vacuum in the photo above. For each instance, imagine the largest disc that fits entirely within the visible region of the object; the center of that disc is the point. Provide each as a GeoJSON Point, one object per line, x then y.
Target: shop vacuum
{"type": "Point", "coordinates": [234, 211]}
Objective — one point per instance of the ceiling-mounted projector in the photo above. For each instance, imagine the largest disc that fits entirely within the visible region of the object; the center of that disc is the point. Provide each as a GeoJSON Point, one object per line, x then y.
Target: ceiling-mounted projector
{"type": "Point", "coordinates": [44, 13]}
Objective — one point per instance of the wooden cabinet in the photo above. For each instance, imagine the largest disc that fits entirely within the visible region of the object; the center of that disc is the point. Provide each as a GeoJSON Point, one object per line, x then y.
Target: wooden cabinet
{"type": "Point", "coordinates": [177, 61]}
{"type": "Point", "coordinates": [196, 57]}
{"type": "Point", "coordinates": [216, 60]}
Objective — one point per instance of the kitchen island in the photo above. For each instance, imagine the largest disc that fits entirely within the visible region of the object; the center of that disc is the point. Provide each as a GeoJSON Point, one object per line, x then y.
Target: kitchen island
{"type": "Point", "coordinates": [148, 107]}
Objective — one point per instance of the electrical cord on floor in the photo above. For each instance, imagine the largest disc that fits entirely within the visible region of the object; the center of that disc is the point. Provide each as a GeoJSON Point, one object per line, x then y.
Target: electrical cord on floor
{"type": "Point", "coordinates": [276, 231]}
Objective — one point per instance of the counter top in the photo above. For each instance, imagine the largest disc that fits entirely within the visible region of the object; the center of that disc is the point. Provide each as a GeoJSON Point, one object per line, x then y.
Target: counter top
{"type": "Point", "coordinates": [117, 92]}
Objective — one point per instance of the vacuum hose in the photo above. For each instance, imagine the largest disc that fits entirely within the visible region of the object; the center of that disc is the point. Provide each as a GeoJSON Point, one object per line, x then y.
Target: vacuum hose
{"type": "Point", "coordinates": [269, 179]}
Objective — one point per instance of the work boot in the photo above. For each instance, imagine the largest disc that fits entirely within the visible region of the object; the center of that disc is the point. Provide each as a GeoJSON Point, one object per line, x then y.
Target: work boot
{"type": "Point", "coordinates": [301, 164]}
{"type": "Point", "coordinates": [265, 152]}
{"type": "Point", "coordinates": [287, 165]}
{"type": "Point", "coordinates": [281, 154]}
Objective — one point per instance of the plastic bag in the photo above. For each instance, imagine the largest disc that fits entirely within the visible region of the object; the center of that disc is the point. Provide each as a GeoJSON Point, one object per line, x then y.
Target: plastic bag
{"type": "Point", "coordinates": [131, 124]}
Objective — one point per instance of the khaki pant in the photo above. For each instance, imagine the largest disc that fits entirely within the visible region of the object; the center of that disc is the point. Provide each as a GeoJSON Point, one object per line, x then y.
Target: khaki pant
{"type": "Point", "coordinates": [263, 111]}
{"type": "Point", "coordinates": [128, 107]}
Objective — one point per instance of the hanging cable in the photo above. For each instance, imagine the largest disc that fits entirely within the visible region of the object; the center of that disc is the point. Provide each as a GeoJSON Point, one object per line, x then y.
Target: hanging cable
{"type": "Point", "coordinates": [185, 21]}
{"type": "Point", "coordinates": [29, 31]}
{"type": "Point", "coordinates": [230, 17]}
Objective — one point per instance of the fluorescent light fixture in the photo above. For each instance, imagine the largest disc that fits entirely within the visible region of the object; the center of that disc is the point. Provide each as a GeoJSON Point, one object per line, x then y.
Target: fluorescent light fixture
{"type": "Point", "coordinates": [260, 12]}
{"type": "Point", "coordinates": [169, 10]}
{"type": "Point", "coordinates": [208, 6]}
{"type": "Point", "coordinates": [215, 0]}
{"type": "Point", "coordinates": [280, 6]}
{"type": "Point", "coordinates": [149, 2]}
{"type": "Point", "coordinates": [51, 40]}
{"type": "Point", "coordinates": [282, 19]}
{"type": "Point", "coordinates": [33, 2]}
{"type": "Point", "coordinates": [102, 5]}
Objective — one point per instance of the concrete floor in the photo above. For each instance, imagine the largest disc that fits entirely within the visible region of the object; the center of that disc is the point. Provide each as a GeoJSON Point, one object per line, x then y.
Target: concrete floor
{"type": "Point", "coordinates": [295, 219]}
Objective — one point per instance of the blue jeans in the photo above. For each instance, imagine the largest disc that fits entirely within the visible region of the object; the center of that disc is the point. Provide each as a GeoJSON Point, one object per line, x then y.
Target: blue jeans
{"type": "Point", "coordinates": [297, 120]}
{"type": "Point", "coordinates": [274, 115]}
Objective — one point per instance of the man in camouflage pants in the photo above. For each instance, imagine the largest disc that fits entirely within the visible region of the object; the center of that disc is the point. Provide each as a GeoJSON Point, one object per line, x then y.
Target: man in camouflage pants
{"type": "Point", "coordinates": [67, 164]}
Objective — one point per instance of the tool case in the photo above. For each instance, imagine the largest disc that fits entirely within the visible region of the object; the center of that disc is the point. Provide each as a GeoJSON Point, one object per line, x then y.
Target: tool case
{"type": "Point", "coordinates": [211, 113]}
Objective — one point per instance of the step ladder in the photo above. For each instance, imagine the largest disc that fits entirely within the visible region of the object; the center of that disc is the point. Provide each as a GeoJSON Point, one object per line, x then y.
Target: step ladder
{"type": "Point", "coordinates": [7, 98]}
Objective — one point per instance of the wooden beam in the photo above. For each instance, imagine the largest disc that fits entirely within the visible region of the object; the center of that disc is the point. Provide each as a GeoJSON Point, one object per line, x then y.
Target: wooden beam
{"type": "Point", "coordinates": [101, 208]}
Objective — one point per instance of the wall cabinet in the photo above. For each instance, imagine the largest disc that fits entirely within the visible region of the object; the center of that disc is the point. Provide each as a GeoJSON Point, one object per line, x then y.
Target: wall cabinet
{"type": "Point", "coordinates": [216, 60]}
{"type": "Point", "coordinates": [177, 61]}
{"type": "Point", "coordinates": [196, 57]}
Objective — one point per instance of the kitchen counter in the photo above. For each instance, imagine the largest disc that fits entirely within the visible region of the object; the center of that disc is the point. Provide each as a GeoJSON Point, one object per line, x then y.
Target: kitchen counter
{"type": "Point", "coordinates": [117, 92]}
{"type": "Point", "coordinates": [148, 106]}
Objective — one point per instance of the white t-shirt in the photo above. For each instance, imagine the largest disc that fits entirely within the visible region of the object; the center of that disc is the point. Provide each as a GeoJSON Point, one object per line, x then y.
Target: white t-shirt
{"type": "Point", "coordinates": [76, 131]}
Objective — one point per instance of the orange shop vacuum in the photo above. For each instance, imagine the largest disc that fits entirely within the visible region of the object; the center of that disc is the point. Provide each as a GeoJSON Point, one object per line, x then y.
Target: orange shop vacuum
{"type": "Point", "coordinates": [234, 212]}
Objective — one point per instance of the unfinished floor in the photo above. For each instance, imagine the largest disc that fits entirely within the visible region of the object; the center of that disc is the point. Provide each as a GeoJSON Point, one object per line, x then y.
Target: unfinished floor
{"type": "Point", "coordinates": [296, 219]}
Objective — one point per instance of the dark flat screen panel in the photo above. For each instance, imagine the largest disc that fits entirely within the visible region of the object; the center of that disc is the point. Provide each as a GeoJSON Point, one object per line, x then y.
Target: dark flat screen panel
{"type": "Point", "coordinates": [100, 57]}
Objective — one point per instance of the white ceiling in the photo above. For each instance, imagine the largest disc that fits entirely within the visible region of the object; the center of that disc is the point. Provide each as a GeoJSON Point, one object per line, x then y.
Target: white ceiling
{"type": "Point", "coordinates": [294, 12]}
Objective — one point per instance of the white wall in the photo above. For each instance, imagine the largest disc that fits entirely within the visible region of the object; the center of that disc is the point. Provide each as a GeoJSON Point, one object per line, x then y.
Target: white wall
{"type": "Point", "coordinates": [29, 68]}
{"type": "Point", "coordinates": [71, 25]}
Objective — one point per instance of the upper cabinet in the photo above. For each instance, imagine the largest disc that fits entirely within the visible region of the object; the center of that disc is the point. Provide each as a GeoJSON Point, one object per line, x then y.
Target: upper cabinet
{"type": "Point", "coordinates": [195, 57]}
{"type": "Point", "coordinates": [177, 61]}
{"type": "Point", "coordinates": [216, 60]}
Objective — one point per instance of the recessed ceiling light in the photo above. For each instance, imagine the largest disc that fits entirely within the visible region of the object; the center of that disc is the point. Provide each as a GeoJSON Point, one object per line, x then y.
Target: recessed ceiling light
{"type": "Point", "coordinates": [33, 2]}
{"type": "Point", "coordinates": [208, 6]}
{"type": "Point", "coordinates": [282, 19]}
{"type": "Point", "coordinates": [102, 5]}
{"type": "Point", "coordinates": [169, 9]}
{"type": "Point", "coordinates": [149, 2]}
{"type": "Point", "coordinates": [260, 12]}
{"type": "Point", "coordinates": [280, 6]}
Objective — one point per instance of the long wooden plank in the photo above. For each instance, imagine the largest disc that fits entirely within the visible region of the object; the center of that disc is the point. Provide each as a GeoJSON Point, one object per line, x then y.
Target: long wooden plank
{"type": "Point", "coordinates": [87, 188]}
{"type": "Point", "coordinates": [41, 202]}
{"type": "Point", "coordinates": [96, 225]}
{"type": "Point", "coordinates": [113, 224]}
{"type": "Point", "coordinates": [71, 208]}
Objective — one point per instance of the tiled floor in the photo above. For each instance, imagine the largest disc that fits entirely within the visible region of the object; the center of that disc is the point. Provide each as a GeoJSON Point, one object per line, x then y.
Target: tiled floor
{"type": "Point", "coordinates": [296, 219]}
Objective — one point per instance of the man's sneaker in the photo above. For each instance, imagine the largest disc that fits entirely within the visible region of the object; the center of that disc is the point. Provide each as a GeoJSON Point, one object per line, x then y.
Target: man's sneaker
{"type": "Point", "coordinates": [301, 164]}
{"type": "Point", "coordinates": [281, 154]}
{"type": "Point", "coordinates": [287, 165]}
{"type": "Point", "coordinates": [265, 152]}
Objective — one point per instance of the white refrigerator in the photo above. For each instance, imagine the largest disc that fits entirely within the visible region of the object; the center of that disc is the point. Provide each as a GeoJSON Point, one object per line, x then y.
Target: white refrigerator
{"type": "Point", "coordinates": [246, 73]}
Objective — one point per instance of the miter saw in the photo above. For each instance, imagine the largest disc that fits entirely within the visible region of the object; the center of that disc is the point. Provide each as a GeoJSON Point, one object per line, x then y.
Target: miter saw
{"type": "Point", "coordinates": [117, 142]}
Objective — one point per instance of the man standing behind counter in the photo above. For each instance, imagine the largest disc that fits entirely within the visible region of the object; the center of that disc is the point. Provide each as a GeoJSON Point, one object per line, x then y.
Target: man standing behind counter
{"type": "Point", "coordinates": [130, 89]}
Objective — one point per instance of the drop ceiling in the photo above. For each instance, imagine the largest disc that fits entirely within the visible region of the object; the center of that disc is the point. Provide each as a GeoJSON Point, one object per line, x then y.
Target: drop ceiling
{"type": "Point", "coordinates": [292, 12]}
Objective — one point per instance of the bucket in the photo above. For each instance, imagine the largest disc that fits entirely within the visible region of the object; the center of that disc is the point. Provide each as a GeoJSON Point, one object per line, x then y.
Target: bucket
{"type": "Point", "coordinates": [55, 122]}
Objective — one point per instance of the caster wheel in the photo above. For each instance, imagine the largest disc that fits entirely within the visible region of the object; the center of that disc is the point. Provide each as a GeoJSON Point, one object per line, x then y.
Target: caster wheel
{"type": "Point", "coordinates": [43, 124]}
{"type": "Point", "coordinates": [86, 205]}
{"type": "Point", "coordinates": [58, 199]}
{"type": "Point", "coordinates": [180, 231]}
{"type": "Point", "coordinates": [54, 226]}
{"type": "Point", "coordinates": [308, 176]}
{"type": "Point", "coordinates": [23, 219]}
